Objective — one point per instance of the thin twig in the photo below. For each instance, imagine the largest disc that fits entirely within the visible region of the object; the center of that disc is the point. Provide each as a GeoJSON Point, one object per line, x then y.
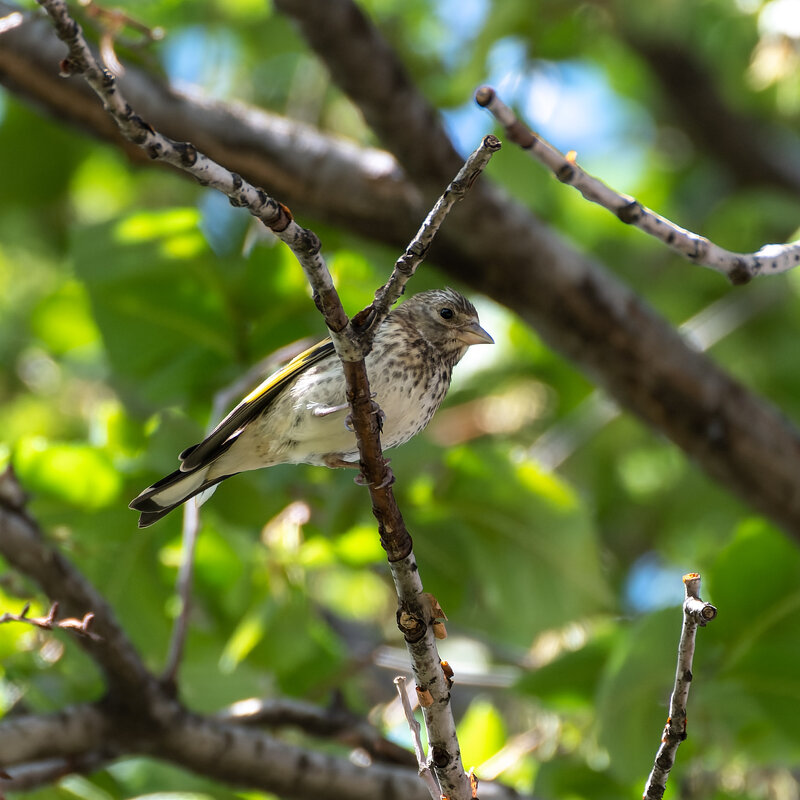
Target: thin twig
{"type": "Point", "coordinates": [738, 267]}
{"type": "Point", "coordinates": [183, 590]}
{"type": "Point", "coordinates": [416, 738]}
{"type": "Point", "coordinates": [191, 509]}
{"type": "Point", "coordinates": [695, 613]}
{"type": "Point", "coordinates": [49, 621]}
{"type": "Point", "coordinates": [418, 247]}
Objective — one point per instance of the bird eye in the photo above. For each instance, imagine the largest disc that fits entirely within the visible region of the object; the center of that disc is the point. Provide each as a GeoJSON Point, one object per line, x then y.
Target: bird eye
{"type": "Point", "coordinates": [446, 313]}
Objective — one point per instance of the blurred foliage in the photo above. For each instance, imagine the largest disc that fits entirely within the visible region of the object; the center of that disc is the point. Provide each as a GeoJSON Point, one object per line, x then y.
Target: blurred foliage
{"type": "Point", "coordinates": [128, 301]}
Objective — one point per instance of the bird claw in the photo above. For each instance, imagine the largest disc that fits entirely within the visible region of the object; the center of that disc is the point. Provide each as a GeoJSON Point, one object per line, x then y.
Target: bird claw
{"type": "Point", "coordinates": [376, 409]}
{"type": "Point", "coordinates": [387, 481]}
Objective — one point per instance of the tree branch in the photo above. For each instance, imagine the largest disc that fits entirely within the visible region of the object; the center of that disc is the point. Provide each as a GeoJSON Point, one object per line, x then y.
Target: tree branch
{"type": "Point", "coordinates": [141, 716]}
{"type": "Point", "coordinates": [695, 613]}
{"type": "Point", "coordinates": [738, 267]}
{"type": "Point", "coordinates": [578, 308]}
{"type": "Point", "coordinates": [415, 616]}
{"type": "Point", "coordinates": [24, 548]}
{"type": "Point", "coordinates": [327, 177]}
{"type": "Point", "coordinates": [754, 152]}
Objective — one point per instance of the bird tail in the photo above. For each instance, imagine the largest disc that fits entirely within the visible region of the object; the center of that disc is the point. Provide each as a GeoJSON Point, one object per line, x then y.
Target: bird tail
{"type": "Point", "coordinates": [159, 499]}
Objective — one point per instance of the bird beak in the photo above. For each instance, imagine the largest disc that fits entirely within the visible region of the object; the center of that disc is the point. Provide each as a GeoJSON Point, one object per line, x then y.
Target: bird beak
{"type": "Point", "coordinates": [474, 334]}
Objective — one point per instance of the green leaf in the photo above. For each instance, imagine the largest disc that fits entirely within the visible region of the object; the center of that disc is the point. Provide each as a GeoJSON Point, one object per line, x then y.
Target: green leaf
{"type": "Point", "coordinates": [76, 473]}
{"type": "Point", "coordinates": [481, 732]}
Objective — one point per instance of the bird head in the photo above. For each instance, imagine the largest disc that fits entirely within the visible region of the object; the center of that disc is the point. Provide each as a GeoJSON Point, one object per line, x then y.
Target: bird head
{"type": "Point", "coordinates": [446, 319]}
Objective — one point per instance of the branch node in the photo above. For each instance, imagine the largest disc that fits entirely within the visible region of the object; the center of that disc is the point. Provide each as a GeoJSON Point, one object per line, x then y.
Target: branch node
{"type": "Point", "coordinates": [630, 213]}
{"type": "Point", "coordinates": [566, 173]}
{"type": "Point", "coordinates": [484, 96]}
{"type": "Point", "coordinates": [440, 756]}
{"type": "Point", "coordinates": [411, 625]}
{"type": "Point", "coordinates": [739, 274]}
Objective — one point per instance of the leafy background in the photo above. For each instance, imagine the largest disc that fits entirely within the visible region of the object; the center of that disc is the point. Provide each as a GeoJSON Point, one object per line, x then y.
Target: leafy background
{"type": "Point", "coordinates": [129, 298]}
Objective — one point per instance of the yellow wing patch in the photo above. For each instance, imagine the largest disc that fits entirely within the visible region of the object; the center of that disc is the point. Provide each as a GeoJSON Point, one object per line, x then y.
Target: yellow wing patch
{"type": "Point", "coordinates": [294, 367]}
{"type": "Point", "coordinates": [221, 438]}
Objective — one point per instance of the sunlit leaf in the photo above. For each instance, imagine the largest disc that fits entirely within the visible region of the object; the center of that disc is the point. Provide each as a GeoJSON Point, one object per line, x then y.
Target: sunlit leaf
{"type": "Point", "coordinates": [75, 473]}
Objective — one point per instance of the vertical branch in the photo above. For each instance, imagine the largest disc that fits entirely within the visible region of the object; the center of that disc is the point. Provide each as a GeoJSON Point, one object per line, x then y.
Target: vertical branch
{"type": "Point", "coordinates": [191, 509]}
{"type": "Point", "coordinates": [352, 342]}
{"type": "Point", "coordinates": [696, 614]}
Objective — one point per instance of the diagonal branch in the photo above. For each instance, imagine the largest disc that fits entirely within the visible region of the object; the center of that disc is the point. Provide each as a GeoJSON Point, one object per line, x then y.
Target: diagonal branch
{"type": "Point", "coordinates": [185, 156]}
{"type": "Point", "coordinates": [738, 267]}
{"type": "Point", "coordinates": [23, 546]}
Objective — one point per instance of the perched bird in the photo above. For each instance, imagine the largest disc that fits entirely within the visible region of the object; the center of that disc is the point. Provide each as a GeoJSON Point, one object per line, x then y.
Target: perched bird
{"type": "Point", "coordinates": [298, 415]}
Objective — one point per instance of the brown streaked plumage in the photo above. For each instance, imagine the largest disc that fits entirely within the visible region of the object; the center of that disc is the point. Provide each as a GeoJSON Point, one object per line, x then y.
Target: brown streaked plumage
{"type": "Point", "coordinates": [298, 414]}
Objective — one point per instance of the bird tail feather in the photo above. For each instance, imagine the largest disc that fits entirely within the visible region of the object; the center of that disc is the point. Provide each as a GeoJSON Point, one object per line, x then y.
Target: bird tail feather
{"type": "Point", "coordinates": [162, 497]}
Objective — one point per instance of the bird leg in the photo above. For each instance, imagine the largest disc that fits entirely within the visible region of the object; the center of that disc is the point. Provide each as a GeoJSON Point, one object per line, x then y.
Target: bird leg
{"type": "Point", "coordinates": [334, 461]}
{"type": "Point", "coordinates": [326, 411]}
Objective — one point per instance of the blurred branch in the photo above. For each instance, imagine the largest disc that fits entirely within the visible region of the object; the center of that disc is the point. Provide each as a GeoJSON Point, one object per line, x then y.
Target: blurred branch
{"type": "Point", "coordinates": [328, 177]}
{"type": "Point", "coordinates": [50, 622]}
{"type": "Point", "coordinates": [704, 329]}
{"type": "Point", "coordinates": [695, 613]}
{"type": "Point", "coordinates": [367, 69]}
{"type": "Point", "coordinates": [332, 722]}
{"type": "Point", "coordinates": [738, 267]}
{"type": "Point", "coordinates": [752, 151]}
{"type": "Point", "coordinates": [23, 546]}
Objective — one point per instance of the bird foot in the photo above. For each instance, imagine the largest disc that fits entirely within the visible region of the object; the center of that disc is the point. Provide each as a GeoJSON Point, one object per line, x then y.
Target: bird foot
{"type": "Point", "coordinates": [387, 481]}
{"type": "Point", "coordinates": [376, 409]}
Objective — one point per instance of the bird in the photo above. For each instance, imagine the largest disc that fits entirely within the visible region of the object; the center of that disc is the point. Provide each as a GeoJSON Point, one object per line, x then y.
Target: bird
{"type": "Point", "coordinates": [300, 414]}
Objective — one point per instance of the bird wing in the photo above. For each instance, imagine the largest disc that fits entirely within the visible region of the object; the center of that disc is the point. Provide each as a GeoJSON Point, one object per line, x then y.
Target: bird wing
{"type": "Point", "coordinates": [251, 407]}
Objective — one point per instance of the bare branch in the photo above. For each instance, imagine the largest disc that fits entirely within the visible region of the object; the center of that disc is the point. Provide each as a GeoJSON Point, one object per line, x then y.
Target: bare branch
{"type": "Point", "coordinates": [49, 621]}
{"type": "Point", "coordinates": [695, 613]}
{"type": "Point", "coordinates": [416, 729]}
{"type": "Point", "coordinates": [334, 722]}
{"type": "Point", "coordinates": [24, 548]}
{"type": "Point", "coordinates": [418, 248]}
{"type": "Point", "coordinates": [738, 267]}
{"type": "Point", "coordinates": [69, 733]}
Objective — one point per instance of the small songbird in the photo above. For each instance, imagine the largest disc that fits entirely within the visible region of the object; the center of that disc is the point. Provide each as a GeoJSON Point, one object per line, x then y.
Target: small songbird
{"type": "Point", "coordinates": [299, 414]}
